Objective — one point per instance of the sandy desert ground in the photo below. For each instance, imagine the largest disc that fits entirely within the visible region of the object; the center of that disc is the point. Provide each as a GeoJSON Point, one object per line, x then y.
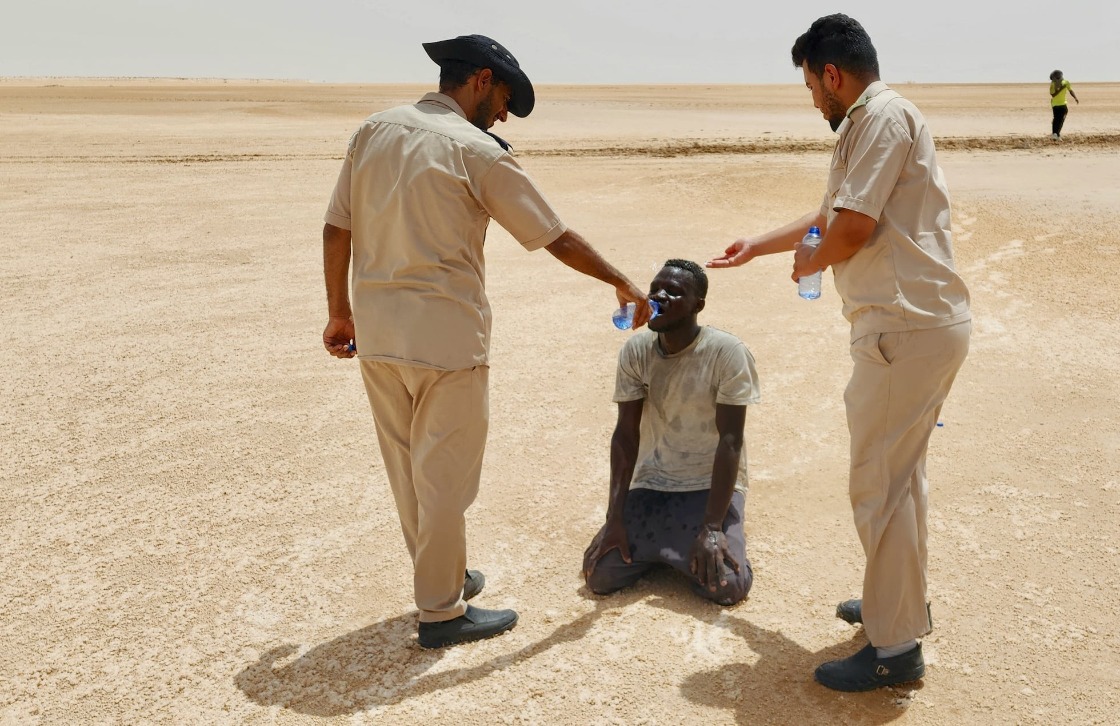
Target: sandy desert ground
{"type": "Point", "coordinates": [196, 527]}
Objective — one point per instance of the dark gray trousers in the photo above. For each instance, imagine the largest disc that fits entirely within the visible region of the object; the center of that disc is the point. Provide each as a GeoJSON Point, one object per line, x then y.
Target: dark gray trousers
{"type": "Point", "coordinates": [661, 528]}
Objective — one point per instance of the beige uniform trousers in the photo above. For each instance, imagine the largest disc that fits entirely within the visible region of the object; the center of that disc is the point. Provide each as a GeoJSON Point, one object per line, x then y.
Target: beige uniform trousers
{"type": "Point", "coordinates": [431, 428]}
{"type": "Point", "coordinates": [893, 400]}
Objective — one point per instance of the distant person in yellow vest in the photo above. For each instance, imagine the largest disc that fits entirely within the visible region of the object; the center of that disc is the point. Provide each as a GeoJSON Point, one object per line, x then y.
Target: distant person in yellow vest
{"type": "Point", "coordinates": [1059, 87]}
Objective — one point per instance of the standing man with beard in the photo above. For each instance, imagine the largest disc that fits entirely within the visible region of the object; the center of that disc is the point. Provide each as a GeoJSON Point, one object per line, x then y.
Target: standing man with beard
{"type": "Point", "coordinates": [417, 190]}
{"type": "Point", "coordinates": [886, 234]}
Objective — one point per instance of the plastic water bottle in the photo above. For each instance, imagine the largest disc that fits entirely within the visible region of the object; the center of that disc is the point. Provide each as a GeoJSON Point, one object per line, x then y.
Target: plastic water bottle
{"type": "Point", "coordinates": [623, 318]}
{"type": "Point", "coordinates": [810, 287]}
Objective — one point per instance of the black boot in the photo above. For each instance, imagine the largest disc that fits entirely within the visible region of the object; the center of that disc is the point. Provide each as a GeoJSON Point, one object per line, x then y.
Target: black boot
{"type": "Point", "coordinates": [866, 672]}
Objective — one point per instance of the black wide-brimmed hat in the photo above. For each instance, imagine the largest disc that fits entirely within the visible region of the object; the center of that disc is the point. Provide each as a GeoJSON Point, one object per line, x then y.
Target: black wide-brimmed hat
{"type": "Point", "coordinates": [488, 53]}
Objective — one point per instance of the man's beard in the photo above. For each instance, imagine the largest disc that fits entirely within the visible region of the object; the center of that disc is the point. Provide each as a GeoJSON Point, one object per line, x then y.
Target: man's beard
{"type": "Point", "coordinates": [835, 111]}
{"type": "Point", "coordinates": [483, 114]}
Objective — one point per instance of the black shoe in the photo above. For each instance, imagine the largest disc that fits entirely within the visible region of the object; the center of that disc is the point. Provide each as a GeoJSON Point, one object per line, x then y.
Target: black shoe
{"type": "Point", "coordinates": [473, 583]}
{"type": "Point", "coordinates": [865, 672]}
{"type": "Point", "coordinates": [851, 611]}
{"type": "Point", "coordinates": [475, 624]}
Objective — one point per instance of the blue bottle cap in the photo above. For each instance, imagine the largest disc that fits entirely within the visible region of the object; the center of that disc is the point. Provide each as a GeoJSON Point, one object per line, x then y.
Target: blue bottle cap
{"type": "Point", "coordinates": [815, 230]}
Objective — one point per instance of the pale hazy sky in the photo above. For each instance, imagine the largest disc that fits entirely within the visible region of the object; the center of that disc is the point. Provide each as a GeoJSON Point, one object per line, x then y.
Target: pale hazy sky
{"type": "Point", "coordinates": [567, 41]}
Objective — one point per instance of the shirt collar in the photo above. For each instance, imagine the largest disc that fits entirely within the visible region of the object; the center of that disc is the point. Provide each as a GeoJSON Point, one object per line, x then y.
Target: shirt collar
{"type": "Point", "coordinates": [443, 100]}
{"type": "Point", "coordinates": [869, 93]}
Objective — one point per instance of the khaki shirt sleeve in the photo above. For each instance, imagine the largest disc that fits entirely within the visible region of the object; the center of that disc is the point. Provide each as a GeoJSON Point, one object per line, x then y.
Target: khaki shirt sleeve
{"type": "Point", "coordinates": [338, 211]}
{"type": "Point", "coordinates": [509, 196]}
{"type": "Point", "coordinates": [877, 157]}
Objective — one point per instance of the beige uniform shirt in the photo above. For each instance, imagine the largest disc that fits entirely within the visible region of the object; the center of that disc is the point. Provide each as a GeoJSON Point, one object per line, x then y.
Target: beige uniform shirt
{"type": "Point", "coordinates": [885, 167]}
{"type": "Point", "coordinates": [677, 448]}
{"type": "Point", "coordinates": [417, 190]}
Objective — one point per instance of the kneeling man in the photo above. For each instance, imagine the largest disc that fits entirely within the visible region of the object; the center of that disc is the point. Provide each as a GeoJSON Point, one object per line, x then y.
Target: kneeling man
{"type": "Point", "coordinates": [677, 489]}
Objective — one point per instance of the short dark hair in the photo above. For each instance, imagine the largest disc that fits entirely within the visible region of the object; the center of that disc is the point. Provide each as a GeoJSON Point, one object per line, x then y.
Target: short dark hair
{"type": "Point", "coordinates": [839, 40]}
{"type": "Point", "coordinates": [1055, 75]}
{"type": "Point", "coordinates": [699, 277]}
{"type": "Point", "coordinates": [454, 74]}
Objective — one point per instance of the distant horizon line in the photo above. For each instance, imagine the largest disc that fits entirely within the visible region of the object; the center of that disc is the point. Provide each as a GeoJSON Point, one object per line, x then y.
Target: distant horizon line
{"type": "Point", "coordinates": [246, 79]}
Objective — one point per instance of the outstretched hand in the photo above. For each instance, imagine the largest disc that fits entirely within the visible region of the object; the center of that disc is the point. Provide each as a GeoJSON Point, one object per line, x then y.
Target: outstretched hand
{"type": "Point", "coordinates": [739, 252]}
{"type": "Point", "coordinates": [337, 336]}
{"type": "Point", "coordinates": [609, 537]}
{"type": "Point", "coordinates": [711, 560]}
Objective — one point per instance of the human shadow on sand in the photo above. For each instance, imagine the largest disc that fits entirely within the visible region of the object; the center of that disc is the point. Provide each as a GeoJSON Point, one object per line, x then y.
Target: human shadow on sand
{"type": "Point", "coordinates": [381, 664]}
{"type": "Point", "coordinates": [778, 687]}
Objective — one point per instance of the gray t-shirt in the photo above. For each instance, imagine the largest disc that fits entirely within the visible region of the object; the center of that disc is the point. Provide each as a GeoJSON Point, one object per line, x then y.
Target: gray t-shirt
{"type": "Point", "coordinates": [678, 433]}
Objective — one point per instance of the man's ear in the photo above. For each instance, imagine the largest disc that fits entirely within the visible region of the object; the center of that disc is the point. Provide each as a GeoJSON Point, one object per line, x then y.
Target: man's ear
{"type": "Point", "coordinates": [830, 76]}
{"type": "Point", "coordinates": [699, 304]}
{"type": "Point", "coordinates": [484, 77]}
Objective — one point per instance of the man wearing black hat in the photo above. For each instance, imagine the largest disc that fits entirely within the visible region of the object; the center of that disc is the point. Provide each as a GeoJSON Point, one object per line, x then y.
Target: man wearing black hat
{"type": "Point", "coordinates": [419, 185]}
